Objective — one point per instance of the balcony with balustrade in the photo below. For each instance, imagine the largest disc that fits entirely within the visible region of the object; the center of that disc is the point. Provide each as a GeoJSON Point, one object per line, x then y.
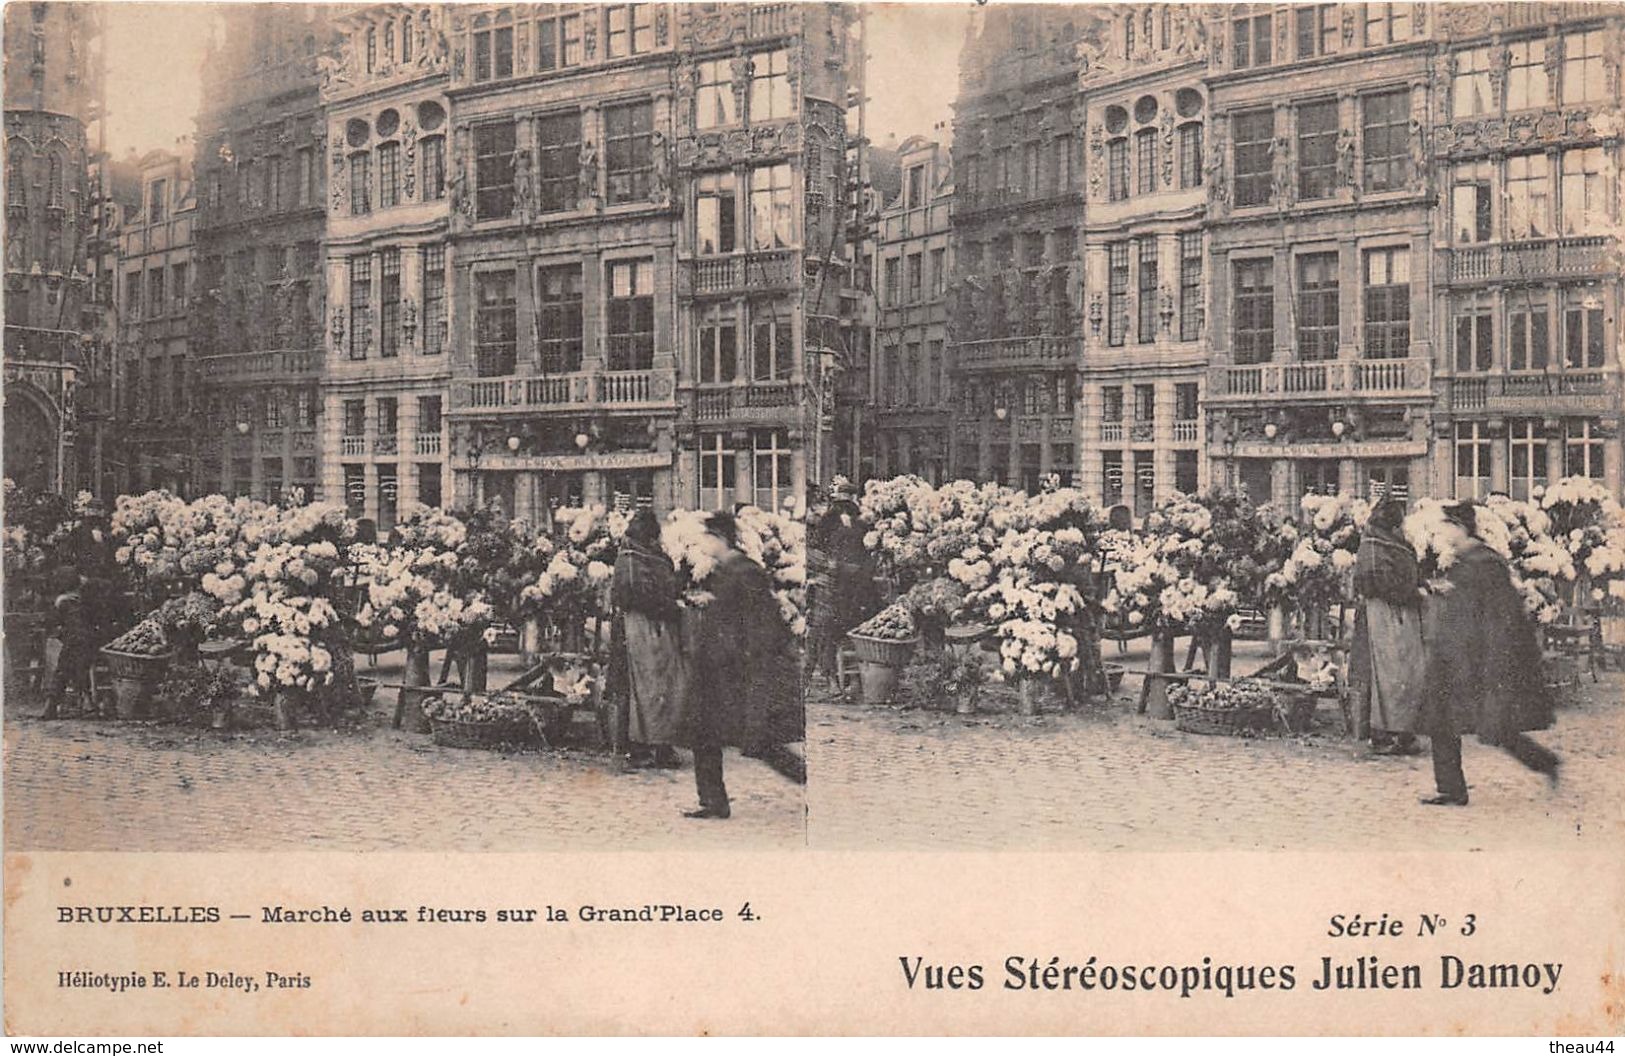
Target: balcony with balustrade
{"type": "Point", "coordinates": [1014, 353]}
{"type": "Point", "coordinates": [771, 270]}
{"type": "Point", "coordinates": [426, 443]}
{"type": "Point", "coordinates": [577, 391]}
{"type": "Point", "coordinates": [1556, 393]}
{"type": "Point", "coordinates": [1529, 260]}
{"type": "Point", "coordinates": [1332, 380]}
{"type": "Point", "coordinates": [248, 368]}
{"type": "Point", "coordinates": [753, 403]}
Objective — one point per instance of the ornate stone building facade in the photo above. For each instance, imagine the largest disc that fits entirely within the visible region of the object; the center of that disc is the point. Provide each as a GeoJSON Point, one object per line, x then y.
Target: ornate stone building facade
{"type": "Point", "coordinates": [1145, 341]}
{"type": "Point", "coordinates": [1016, 328]}
{"type": "Point", "coordinates": [56, 370]}
{"type": "Point", "coordinates": [1526, 149]}
{"type": "Point", "coordinates": [909, 381]}
{"type": "Point", "coordinates": [388, 260]}
{"type": "Point", "coordinates": [153, 289]}
{"type": "Point", "coordinates": [643, 203]}
{"type": "Point", "coordinates": [259, 310]}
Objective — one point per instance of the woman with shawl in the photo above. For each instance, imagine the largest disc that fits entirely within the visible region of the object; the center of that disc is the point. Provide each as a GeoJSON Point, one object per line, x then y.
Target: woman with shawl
{"type": "Point", "coordinates": [644, 596]}
{"type": "Point", "coordinates": [1483, 664]}
{"type": "Point", "coordinates": [1386, 663]}
{"type": "Point", "coordinates": [841, 583]}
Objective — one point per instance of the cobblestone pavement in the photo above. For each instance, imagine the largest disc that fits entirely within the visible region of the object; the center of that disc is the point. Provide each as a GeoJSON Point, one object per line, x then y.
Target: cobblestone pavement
{"type": "Point", "coordinates": [89, 785]}
{"type": "Point", "coordinates": [885, 778]}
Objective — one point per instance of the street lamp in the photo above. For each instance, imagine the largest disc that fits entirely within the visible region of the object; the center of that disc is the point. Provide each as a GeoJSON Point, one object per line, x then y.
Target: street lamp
{"type": "Point", "coordinates": [513, 443]}
{"type": "Point", "coordinates": [1001, 413]}
{"type": "Point", "coordinates": [582, 440]}
{"type": "Point", "coordinates": [1339, 427]}
{"type": "Point", "coordinates": [242, 428]}
{"type": "Point", "coordinates": [1270, 430]}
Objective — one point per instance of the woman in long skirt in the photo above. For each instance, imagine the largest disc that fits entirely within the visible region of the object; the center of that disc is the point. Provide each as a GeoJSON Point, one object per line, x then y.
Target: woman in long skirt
{"type": "Point", "coordinates": [645, 597]}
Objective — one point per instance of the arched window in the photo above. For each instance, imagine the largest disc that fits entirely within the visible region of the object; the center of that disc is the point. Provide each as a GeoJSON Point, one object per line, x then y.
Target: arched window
{"type": "Point", "coordinates": [389, 43]}
{"type": "Point", "coordinates": [372, 48]}
{"type": "Point", "coordinates": [406, 38]}
{"type": "Point", "coordinates": [53, 183]}
{"type": "Point", "coordinates": [16, 176]}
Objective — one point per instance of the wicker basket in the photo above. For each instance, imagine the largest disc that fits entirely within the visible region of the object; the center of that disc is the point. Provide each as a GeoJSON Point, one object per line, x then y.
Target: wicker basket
{"type": "Point", "coordinates": [137, 665]}
{"type": "Point", "coordinates": [449, 733]}
{"type": "Point", "coordinates": [882, 650]}
{"type": "Point", "coordinates": [1225, 722]}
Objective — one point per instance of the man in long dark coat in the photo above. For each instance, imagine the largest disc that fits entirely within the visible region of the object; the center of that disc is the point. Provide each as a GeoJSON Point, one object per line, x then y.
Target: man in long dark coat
{"type": "Point", "coordinates": [1483, 665]}
{"type": "Point", "coordinates": [743, 674]}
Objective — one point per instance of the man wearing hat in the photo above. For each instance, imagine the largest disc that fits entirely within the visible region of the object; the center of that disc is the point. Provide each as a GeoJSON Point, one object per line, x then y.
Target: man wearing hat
{"type": "Point", "coordinates": [1483, 664]}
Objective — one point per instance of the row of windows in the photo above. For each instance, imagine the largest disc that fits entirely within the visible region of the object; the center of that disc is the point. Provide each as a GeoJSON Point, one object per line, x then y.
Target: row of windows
{"type": "Point", "coordinates": [1581, 75]}
{"type": "Point", "coordinates": [1386, 157]}
{"type": "Point", "coordinates": [563, 39]}
{"type": "Point", "coordinates": [1186, 407]}
{"type": "Point", "coordinates": [165, 288]}
{"type": "Point", "coordinates": [1118, 278]}
{"type": "Point", "coordinates": [1526, 192]}
{"type": "Point", "coordinates": [1316, 30]}
{"type": "Point", "coordinates": [272, 409]}
{"type": "Point", "coordinates": [431, 260]}
{"type": "Point", "coordinates": [1121, 182]}
{"type": "Point", "coordinates": [387, 491]}
{"type": "Point", "coordinates": [1526, 449]}
{"type": "Point", "coordinates": [1034, 169]}
{"type": "Point", "coordinates": [559, 326]}
{"type": "Point", "coordinates": [386, 418]}
{"type": "Point", "coordinates": [769, 458]}
{"type": "Point", "coordinates": [1029, 249]}
{"type": "Point", "coordinates": [155, 387]}
{"type": "Point", "coordinates": [387, 186]}
{"type": "Point", "coordinates": [1315, 309]}
{"type": "Point", "coordinates": [502, 184]}
{"type": "Point", "coordinates": [766, 91]}
{"type": "Point", "coordinates": [1038, 394]}
{"type": "Point", "coordinates": [275, 182]}
{"type": "Point", "coordinates": [1528, 340]}
{"type": "Point", "coordinates": [911, 375]}
{"type": "Point", "coordinates": [770, 192]}
{"type": "Point", "coordinates": [904, 278]}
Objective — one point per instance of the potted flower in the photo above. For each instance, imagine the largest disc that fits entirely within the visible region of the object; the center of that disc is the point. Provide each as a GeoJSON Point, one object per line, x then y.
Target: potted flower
{"type": "Point", "coordinates": [935, 603]}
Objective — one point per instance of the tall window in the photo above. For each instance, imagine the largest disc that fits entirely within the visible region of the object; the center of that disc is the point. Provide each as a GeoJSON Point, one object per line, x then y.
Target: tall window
{"type": "Point", "coordinates": [360, 305]}
{"type": "Point", "coordinates": [558, 162]}
{"type": "Point", "coordinates": [1254, 311]}
{"type": "Point", "coordinates": [771, 470]}
{"type": "Point", "coordinates": [1584, 191]}
{"type": "Point", "coordinates": [1387, 303]}
{"type": "Point", "coordinates": [360, 183]}
{"type": "Point", "coordinates": [495, 323]}
{"type": "Point", "coordinates": [1145, 161]}
{"type": "Point", "coordinates": [715, 213]}
{"type": "Point", "coordinates": [155, 292]}
{"type": "Point", "coordinates": [1117, 170]}
{"type": "Point", "coordinates": [493, 53]}
{"type": "Point", "coordinates": [770, 95]}
{"type": "Point", "coordinates": [245, 182]}
{"type": "Point", "coordinates": [891, 285]}
{"type": "Point", "coordinates": [558, 43]}
{"type": "Point", "coordinates": [432, 149]}
{"type": "Point", "coordinates": [1190, 285]}
{"type": "Point", "coordinates": [916, 277]}
{"type": "Point", "coordinates": [559, 318]}
{"type": "Point", "coordinates": [493, 170]}
{"type": "Point", "coordinates": [1526, 466]}
{"type": "Point", "coordinates": [1318, 31]}
{"type": "Point", "coordinates": [717, 473]}
{"type": "Point", "coordinates": [717, 351]}
{"type": "Point", "coordinates": [1585, 70]}
{"type": "Point", "coordinates": [1148, 289]}
{"type": "Point", "coordinates": [1472, 202]}
{"type": "Point", "coordinates": [273, 173]}
{"type": "Point", "coordinates": [1470, 92]}
{"type": "Point", "coordinates": [1317, 149]}
{"type": "Point", "coordinates": [389, 310]}
{"type": "Point", "coordinates": [1254, 132]}
{"type": "Point", "coordinates": [1582, 448]}
{"type": "Point", "coordinates": [627, 160]}
{"type": "Point", "coordinates": [1387, 144]}
{"type": "Point", "coordinates": [617, 31]}
{"type": "Point", "coordinates": [1473, 446]}
{"type": "Point", "coordinates": [1117, 294]}
{"type": "Point", "coordinates": [1252, 40]}
{"type": "Point", "coordinates": [1527, 83]}
{"type": "Point", "coordinates": [714, 95]}
{"type": "Point", "coordinates": [434, 300]}
{"type": "Point", "coordinates": [1528, 196]}
{"type": "Point", "coordinates": [1388, 23]}
{"type": "Point", "coordinates": [631, 315]}
{"type": "Point", "coordinates": [389, 175]}
{"type": "Point", "coordinates": [304, 176]}
{"type": "Point", "coordinates": [771, 351]}
{"type": "Point", "coordinates": [1583, 337]}
{"type": "Point", "coordinates": [1190, 155]}
{"type": "Point", "coordinates": [1065, 172]}
{"type": "Point", "coordinates": [1529, 338]}
{"type": "Point", "coordinates": [772, 207]}
{"type": "Point", "coordinates": [1317, 306]}
{"type": "Point", "coordinates": [939, 271]}
{"type": "Point", "coordinates": [1475, 341]}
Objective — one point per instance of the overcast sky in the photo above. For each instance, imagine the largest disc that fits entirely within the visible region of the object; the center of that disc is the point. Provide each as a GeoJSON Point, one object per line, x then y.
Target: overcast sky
{"type": "Point", "coordinates": [155, 59]}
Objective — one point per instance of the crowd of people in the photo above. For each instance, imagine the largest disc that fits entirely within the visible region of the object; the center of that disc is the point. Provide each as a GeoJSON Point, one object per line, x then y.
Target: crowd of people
{"type": "Point", "coordinates": [1466, 660]}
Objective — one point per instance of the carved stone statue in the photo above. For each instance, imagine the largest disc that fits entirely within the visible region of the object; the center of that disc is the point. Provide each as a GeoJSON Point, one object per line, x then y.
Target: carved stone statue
{"type": "Point", "coordinates": [1418, 140]}
{"type": "Point", "coordinates": [587, 174]}
{"type": "Point", "coordinates": [523, 185]}
{"type": "Point", "coordinates": [660, 175]}
{"type": "Point", "coordinates": [1281, 169]}
{"type": "Point", "coordinates": [1345, 156]}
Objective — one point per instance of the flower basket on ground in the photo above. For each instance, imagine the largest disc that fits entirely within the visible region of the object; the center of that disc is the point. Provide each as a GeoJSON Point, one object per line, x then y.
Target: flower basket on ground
{"type": "Point", "coordinates": [138, 660]}
{"type": "Point", "coordinates": [1238, 708]}
{"type": "Point", "coordinates": [475, 720]}
{"type": "Point", "coordinates": [883, 644]}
